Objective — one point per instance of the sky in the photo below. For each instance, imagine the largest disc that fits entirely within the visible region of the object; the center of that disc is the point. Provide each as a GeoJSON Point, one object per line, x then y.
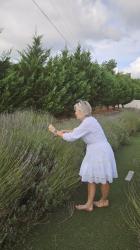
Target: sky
{"type": "Point", "coordinates": [110, 29]}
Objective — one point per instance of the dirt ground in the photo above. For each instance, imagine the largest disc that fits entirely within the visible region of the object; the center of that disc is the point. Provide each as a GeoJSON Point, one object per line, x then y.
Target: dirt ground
{"type": "Point", "coordinates": [105, 111]}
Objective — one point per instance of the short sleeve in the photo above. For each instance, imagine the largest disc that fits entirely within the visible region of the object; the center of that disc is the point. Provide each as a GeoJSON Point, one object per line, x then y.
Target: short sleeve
{"type": "Point", "coordinates": [77, 133]}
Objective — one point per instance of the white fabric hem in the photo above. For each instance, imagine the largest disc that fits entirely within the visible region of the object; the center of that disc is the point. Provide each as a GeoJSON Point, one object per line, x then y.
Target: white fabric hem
{"type": "Point", "coordinates": [97, 180]}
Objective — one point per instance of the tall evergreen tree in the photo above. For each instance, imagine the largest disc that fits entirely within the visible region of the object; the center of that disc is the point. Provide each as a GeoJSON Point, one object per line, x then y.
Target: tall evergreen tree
{"type": "Point", "coordinates": [5, 64]}
{"type": "Point", "coordinates": [110, 65]}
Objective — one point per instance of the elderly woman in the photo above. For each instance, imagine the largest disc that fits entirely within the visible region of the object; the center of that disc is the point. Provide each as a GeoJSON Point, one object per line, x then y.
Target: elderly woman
{"type": "Point", "coordinates": [99, 164]}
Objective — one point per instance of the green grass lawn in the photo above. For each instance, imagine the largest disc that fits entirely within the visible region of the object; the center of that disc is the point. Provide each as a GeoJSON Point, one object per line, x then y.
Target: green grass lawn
{"type": "Point", "coordinates": [102, 229]}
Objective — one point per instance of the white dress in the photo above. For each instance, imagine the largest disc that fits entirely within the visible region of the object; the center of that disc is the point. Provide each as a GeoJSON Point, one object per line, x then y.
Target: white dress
{"type": "Point", "coordinates": [99, 164]}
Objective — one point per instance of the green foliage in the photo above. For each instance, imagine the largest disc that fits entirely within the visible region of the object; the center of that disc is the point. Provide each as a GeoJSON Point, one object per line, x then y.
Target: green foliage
{"type": "Point", "coordinates": [136, 86]}
{"type": "Point", "coordinates": [4, 64]}
{"type": "Point", "coordinates": [31, 70]}
{"type": "Point", "coordinates": [34, 176]}
{"type": "Point", "coordinates": [109, 65]}
{"type": "Point", "coordinates": [126, 91]}
{"type": "Point", "coordinates": [132, 214]}
{"type": "Point", "coordinates": [33, 59]}
{"type": "Point", "coordinates": [38, 171]}
{"type": "Point", "coordinates": [68, 80]}
{"type": "Point", "coordinates": [24, 86]}
{"type": "Point", "coordinates": [42, 82]}
{"type": "Point", "coordinates": [107, 91]}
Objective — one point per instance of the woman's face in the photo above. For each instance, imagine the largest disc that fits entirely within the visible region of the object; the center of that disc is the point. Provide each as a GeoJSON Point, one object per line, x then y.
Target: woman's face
{"type": "Point", "coordinates": [79, 114]}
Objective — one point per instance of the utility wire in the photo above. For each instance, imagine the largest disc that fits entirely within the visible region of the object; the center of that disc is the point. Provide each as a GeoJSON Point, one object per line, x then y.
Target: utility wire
{"type": "Point", "coordinates": [47, 17]}
{"type": "Point", "coordinates": [57, 9]}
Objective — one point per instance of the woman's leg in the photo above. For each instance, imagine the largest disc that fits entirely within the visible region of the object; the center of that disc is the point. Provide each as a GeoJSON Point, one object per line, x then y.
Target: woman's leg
{"type": "Point", "coordinates": [91, 193]}
{"type": "Point", "coordinates": [103, 202]}
{"type": "Point", "coordinates": [105, 191]}
{"type": "Point", "coordinates": [88, 206]}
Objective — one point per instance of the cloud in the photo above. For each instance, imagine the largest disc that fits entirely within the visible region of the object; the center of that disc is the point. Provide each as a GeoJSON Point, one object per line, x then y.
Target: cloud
{"type": "Point", "coordinates": [123, 51]}
{"type": "Point", "coordinates": [134, 68]}
{"type": "Point", "coordinates": [77, 20]}
{"type": "Point", "coordinates": [110, 29]}
{"type": "Point", "coordinates": [128, 11]}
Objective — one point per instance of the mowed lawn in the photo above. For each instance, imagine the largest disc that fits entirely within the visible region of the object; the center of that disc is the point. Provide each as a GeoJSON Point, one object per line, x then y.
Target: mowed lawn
{"type": "Point", "coordinates": [102, 229]}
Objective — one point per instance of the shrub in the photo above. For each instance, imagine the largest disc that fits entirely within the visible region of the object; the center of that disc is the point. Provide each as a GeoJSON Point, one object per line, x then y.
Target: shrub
{"type": "Point", "coordinates": [39, 171]}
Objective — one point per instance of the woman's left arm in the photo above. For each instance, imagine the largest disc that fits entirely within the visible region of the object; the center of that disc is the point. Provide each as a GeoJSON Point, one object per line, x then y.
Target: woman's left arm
{"type": "Point", "coordinates": [77, 133]}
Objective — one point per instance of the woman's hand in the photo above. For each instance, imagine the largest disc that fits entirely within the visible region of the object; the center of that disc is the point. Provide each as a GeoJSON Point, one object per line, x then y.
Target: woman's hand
{"type": "Point", "coordinates": [52, 129]}
{"type": "Point", "coordinates": [55, 131]}
{"type": "Point", "coordinates": [60, 133]}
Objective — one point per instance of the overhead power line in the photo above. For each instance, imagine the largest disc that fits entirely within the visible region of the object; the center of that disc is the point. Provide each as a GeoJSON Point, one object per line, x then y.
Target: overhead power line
{"type": "Point", "coordinates": [65, 25]}
{"type": "Point", "coordinates": [47, 17]}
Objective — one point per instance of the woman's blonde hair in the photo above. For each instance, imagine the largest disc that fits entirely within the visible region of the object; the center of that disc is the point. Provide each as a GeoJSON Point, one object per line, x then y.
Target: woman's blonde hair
{"type": "Point", "coordinates": [83, 106]}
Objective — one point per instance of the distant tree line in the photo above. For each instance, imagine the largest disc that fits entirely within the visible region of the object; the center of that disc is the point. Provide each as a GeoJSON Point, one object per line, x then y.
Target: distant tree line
{"type": "Point", "coordinates": [54, 83]}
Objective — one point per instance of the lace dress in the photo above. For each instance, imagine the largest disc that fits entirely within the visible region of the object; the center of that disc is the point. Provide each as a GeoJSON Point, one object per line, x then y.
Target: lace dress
{"type": "Point", "coordinates": [99, 164]}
